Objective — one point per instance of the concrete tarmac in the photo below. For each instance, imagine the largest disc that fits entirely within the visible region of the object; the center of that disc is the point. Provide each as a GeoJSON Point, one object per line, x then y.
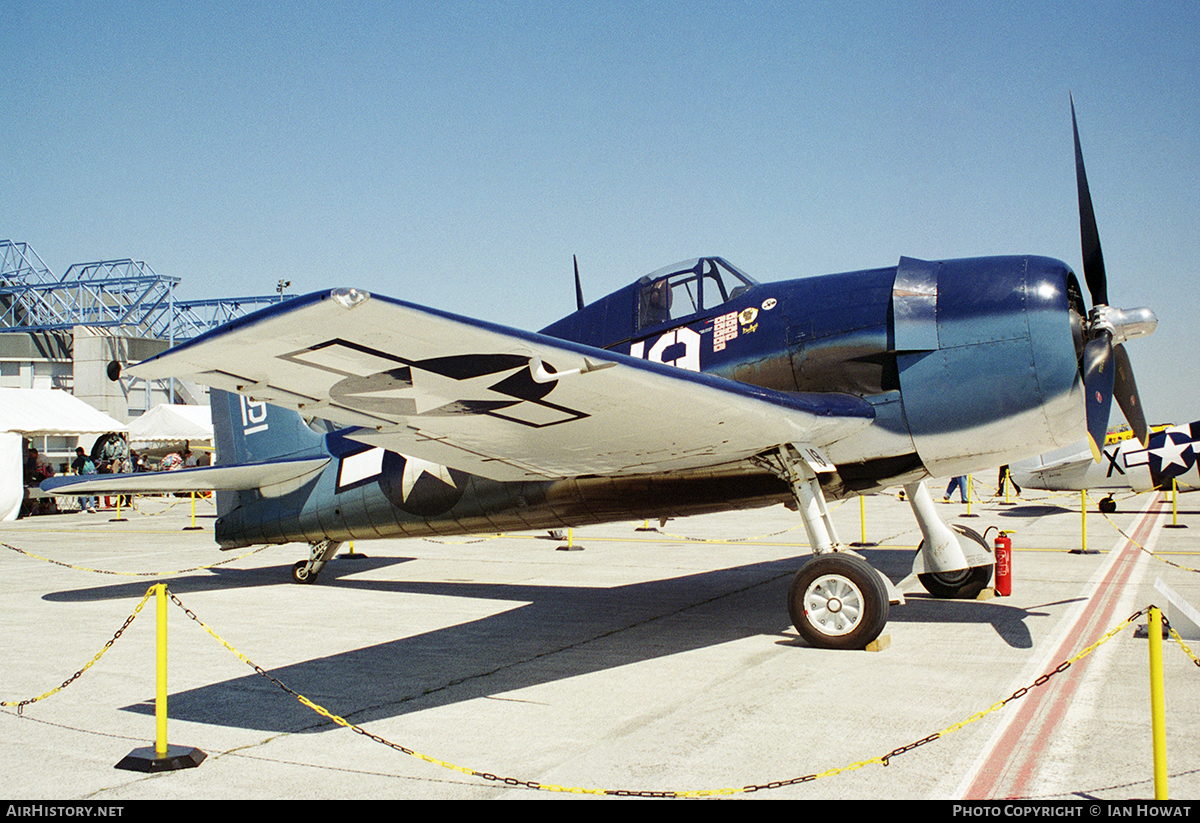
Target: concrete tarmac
{"type": "Point", "coordinates": [655, 661]}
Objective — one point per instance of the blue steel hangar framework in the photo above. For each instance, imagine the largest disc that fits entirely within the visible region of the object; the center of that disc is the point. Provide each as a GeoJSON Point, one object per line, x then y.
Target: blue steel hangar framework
{"type": "Point", "coordinates": [125, 296]}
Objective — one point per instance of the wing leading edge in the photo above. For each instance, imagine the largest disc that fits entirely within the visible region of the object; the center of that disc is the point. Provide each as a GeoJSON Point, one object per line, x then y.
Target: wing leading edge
{"type": "Point", "coordinates": [495, 401]}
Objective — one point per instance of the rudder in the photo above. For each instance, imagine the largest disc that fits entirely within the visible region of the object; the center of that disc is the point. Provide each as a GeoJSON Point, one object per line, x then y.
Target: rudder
{"type": "Point", "coordinates": [245, 431]}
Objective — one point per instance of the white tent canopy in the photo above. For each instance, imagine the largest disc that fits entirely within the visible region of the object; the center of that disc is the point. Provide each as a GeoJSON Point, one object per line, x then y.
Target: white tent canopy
{"type": "Point", "coordinates": [37, 412]}
{"type": "Point", "coordinates": [171, 423]}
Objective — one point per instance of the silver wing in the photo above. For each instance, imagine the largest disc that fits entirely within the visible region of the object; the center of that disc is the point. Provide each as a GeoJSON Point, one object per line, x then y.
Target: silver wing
{"type": "Point", "coordinates": [495, 401]}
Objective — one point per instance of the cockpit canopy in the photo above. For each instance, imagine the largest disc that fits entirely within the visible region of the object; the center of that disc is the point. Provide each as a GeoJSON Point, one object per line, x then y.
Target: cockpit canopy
{"type": "Point", "coordinates": [669, 296]}
{"type": "Point", "coordinates": [677, 292]}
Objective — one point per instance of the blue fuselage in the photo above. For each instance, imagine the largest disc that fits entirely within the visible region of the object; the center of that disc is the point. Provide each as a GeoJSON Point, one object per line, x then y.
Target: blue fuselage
{"type": "Point", "coordinates": [967, 364]}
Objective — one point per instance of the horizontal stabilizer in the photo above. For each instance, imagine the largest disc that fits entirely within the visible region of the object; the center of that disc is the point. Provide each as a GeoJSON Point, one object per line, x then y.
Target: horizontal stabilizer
{"type": "Point", "coordinates": [205, 478]}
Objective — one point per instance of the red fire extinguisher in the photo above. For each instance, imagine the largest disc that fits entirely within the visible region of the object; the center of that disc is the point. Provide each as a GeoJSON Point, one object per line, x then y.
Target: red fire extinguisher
{"type": "Point", "coordinates": [1003, 550]}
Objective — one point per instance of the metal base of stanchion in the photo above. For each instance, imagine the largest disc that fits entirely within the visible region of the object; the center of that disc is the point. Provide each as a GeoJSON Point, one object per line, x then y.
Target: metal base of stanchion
{"type": "Point", "coordinates": [145, 759]}
{"type": "Point", "coordinates": [1143, 630]}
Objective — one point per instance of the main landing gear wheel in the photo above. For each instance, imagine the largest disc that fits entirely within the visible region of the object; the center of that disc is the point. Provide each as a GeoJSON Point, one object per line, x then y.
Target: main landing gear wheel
{"type": "Point", "coordinates": [837, 601]}
{"type": "Point", "coordinates": [300, 573]}
{"type": "Point", "coordinates": [963, 584]}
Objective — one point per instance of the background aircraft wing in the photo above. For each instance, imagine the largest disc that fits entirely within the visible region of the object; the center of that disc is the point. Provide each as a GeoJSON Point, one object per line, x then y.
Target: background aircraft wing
{"type": "Point", "coordinates": [495, 401]}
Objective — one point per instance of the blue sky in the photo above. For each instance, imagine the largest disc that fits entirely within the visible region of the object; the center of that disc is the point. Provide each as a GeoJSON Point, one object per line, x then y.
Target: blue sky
{"type": "Point", "coordinates": [458, 154]}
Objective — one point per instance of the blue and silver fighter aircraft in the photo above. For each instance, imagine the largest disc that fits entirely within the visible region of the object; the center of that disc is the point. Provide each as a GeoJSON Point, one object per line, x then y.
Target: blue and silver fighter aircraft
{"type": "Point", "coordinates": [343, 415]}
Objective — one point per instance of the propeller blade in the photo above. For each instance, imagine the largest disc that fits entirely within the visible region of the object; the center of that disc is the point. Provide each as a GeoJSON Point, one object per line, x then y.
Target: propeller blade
{"type": "Point", "coordinates": [1126, 393]}
{"type": "Point", "coordinates": [578, 287]}
{"type": "Point", "coordinates": [1098, 377]}
{"type": "Point", "coordinates": [1093, 258]}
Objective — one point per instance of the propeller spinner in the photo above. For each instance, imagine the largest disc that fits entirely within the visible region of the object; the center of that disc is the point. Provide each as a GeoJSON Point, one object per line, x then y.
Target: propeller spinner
{"type": "Point", "coordinates": [1106, 368]}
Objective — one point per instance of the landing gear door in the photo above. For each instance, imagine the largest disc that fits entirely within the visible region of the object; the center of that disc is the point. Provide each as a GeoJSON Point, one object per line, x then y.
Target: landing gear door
{"type": "Point", "coordinates": [814, 458]}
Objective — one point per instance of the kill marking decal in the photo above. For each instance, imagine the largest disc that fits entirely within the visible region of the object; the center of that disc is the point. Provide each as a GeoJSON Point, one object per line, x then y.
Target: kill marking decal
{"type": "Point", "coordinates": [725, 328]}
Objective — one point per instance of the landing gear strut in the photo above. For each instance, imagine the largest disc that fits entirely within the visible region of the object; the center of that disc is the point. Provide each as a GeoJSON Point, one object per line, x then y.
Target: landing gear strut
{"type": "Point", "coordinates": [305, 571]}
{"type": "Point", "coordinates": [953, 563]}
{"type": "Point", "coordinates": [836, 600]}
{"type": "Point", "coordinates": [960, 584]}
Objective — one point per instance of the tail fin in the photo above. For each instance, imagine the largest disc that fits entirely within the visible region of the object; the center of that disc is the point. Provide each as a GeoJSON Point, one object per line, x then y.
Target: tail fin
{"type": "Point", "coordinates": [248, 432]}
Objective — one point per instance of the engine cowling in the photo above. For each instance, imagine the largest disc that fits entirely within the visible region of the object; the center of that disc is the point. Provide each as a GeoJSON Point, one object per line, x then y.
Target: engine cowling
{"type": "Point", "coordinates": [988, 359]}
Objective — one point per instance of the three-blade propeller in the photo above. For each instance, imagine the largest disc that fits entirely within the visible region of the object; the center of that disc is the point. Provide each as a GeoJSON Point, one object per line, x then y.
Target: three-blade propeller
{"type": "Point", "coordinates": [1106, 368]}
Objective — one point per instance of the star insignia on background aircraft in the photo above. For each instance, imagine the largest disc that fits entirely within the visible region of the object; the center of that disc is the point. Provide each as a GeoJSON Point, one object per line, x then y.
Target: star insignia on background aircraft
{"type": "Point", "coordinates": [1170, 448]}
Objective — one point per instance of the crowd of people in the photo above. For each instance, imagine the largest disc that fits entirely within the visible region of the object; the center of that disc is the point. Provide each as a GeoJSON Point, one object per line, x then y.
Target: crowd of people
{"type": "Point", "coordinates": [110, 454]}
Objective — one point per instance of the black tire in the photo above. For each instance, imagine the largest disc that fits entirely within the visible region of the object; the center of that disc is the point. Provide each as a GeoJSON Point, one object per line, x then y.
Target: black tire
{"type": "Point", "coordinates": [964, 584]}
{"type": "Point", "coordinates": [299, 575]}
{"type": "Point", "coordinates": [1108, 505]}
{"type": "Point", "coordinates": [837, 601]}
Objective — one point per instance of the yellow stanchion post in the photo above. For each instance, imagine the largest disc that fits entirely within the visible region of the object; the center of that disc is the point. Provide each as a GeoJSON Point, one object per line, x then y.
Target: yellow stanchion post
{"type": "Point", "coordinates": [570, 547]}
{"type": "Point", "coordinates": [1158, 719]}
{"type": "Point", "coordinates": [161, 757]}
{"type": "Point", "coordinates": [351, 554]}
{"type": "Point", "coordinates": [160, 671]}
{"type": "Point", "coordinates": [1007, 481]}
{"type": "Point", "coordinates": [862, 518]}
{"type": "Point", "coordinates": [970, 494]}
{"type": "Point", "coordinates": [1083, 549]}
{"type": "Point", "coordinates": [1175, 524]}
{"type": "Point", "coordinates": [1083, 519]}
{"type": "Point", "coordinates": [193, 527]}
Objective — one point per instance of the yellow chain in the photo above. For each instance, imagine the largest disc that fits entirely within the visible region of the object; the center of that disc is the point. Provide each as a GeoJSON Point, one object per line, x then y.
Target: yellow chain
{"type": "Point", "coordinates": [341, 721]}
{"type": "Point", "coordinates": [1143, 549]}
{"type": "Point", "coordinates": [130, 574]}
{"type": "Point", "coordinates": [20, 704]}
{"type": "Point", "coordinates": [1175, 636]}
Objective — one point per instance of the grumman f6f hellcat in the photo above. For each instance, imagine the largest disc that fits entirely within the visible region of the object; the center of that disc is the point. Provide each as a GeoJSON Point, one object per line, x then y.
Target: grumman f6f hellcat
{"type": "Point", "coordinates": [344, 415]}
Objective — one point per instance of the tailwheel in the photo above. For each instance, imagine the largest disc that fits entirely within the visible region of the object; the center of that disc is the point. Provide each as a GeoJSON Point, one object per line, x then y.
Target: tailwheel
{"type": "Point", "coordinates": [319, 553]}
{"type": "Point", "coordinates": [1108, 505]}
{"type": "Point", "coordinates": [301, 574]}
{"type": "Point", "coordinates": [961, 584]}
{"type": "Point", "coordinates": [837, 601]}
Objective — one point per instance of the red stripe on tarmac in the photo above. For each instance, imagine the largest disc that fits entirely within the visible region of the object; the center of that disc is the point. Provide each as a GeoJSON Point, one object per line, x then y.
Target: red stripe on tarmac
{"type": "Point", "coordinates": [1015, 758]}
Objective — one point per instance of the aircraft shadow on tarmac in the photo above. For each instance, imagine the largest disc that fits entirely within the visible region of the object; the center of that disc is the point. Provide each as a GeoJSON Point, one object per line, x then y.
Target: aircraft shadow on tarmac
{"type": "Point", "coordinates": [1032, 510]}
{"type": "Point", "coordinates": [557, 632]}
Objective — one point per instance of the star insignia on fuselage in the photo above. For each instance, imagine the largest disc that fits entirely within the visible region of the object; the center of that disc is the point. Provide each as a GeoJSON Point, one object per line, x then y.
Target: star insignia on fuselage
{"type": "Point", "coordinates": [1176, 449]}
{"type": "Point", "coordinates": [1170, 453]}
{"type": "Point", "coordinates": [415, 469]}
